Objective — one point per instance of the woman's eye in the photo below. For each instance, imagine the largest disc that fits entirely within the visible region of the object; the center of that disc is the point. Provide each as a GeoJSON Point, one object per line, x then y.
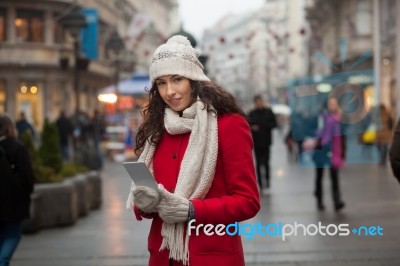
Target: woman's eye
{"type": "Point", "coordinates": [177, 79]}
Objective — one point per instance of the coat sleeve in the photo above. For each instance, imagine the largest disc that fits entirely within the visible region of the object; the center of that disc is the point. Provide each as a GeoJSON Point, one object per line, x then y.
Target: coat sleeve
{"type": "Point", "coordinates": [241, 201]}
{"type": "Point", "coordinates": [394, 152]}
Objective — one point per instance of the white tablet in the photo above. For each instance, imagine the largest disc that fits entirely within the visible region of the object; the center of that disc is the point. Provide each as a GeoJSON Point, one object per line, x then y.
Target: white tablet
{"type": "Point", "coordinates": [140, 174]}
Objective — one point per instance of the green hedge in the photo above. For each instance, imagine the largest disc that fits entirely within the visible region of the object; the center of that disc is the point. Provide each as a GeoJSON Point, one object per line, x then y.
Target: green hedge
{"type": "Point", "coordinates": [47, 160]}
{"type": "Point", "coordinates": [46, 174]}
{"type": "Point", "coordinates": [50, 151]}
{"type": "Point", "coordinates": [71, 169]}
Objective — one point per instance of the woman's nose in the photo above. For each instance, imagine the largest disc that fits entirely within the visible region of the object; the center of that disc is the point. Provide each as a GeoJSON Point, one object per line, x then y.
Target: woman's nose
{"type": "Point", "coordinates": [170, 89]}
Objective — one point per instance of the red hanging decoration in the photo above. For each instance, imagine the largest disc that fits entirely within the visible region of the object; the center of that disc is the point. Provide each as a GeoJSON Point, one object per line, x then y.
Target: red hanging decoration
{"type": "Point", "coordinates": [140, 37]}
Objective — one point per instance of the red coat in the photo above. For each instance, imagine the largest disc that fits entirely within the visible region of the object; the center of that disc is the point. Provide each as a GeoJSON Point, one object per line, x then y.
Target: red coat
{"type": "Point", "coordinates": [233, 196]}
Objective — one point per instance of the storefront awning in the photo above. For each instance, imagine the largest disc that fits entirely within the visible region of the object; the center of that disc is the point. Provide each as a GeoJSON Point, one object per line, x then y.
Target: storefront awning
{"type": "Point", "coordinates": [136, 85]}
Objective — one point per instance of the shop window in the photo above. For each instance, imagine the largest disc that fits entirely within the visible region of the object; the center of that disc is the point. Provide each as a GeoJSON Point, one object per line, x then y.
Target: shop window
{"type": "Point", "coordinates": [29, 101]}
{"type": "Point", "coordinates": [58, 33]}
{"type": "Point", "coordinates": [363, 17]}
{"type": "Point", "coordinates": [57, 100]}
{"type": "Point", "coordinates": [3, 26]}
{"type": "Point", "coordinates": [2, 97]}
{"type": "Point", "coordinates": [58, 29]}
{"type": "Point", "coordinates": [29, 26]}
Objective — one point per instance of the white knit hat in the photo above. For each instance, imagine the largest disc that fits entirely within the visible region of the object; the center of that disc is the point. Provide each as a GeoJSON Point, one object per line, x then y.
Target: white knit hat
{"type": "Point", "coordinates": [177, 57]}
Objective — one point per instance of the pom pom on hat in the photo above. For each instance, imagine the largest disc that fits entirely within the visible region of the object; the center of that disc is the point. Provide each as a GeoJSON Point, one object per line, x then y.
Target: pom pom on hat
{"type": "Point", "coordinates": [179, 39]}
{"type": "Point", "coordinates": [177, 57]}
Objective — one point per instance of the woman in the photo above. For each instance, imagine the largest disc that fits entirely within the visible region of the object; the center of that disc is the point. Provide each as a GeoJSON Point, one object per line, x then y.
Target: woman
{"type": "Point", "coordinates": [330, 153]}
{"type": "Point", "coordinates": [16, 185]}
{"type": "Point", "coordinates": [198, 145]}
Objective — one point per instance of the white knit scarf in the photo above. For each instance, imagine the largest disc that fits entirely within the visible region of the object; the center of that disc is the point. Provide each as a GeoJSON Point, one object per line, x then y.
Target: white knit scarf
{"type": "Point", "coordinates": [197, 168]}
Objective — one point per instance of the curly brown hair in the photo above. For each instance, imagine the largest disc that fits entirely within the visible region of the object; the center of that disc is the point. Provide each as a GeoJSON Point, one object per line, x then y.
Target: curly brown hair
{"type": "Point", "coordinates": [7, 127]}
{"type": "Point", "coordinates": [211, 95]}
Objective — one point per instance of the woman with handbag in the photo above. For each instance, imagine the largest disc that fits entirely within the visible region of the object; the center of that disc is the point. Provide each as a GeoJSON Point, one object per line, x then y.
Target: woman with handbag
{"type": "Point", "coordinates": [16, 185]}
{"type": "Point", "coordinates": [330, 153]}
{"type": "Point", "coordinates": [197, 143]}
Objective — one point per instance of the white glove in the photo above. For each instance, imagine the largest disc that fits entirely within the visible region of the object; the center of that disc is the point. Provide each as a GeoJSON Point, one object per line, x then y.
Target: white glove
{"type": "Point", "coordinates": [172, 208]}
{"type": "Point", "coordinates": [145, 198]}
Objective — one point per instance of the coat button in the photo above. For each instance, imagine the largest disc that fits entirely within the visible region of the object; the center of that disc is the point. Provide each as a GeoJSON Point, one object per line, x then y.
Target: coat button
{"type": "Point", "coordinates": [174, 155]}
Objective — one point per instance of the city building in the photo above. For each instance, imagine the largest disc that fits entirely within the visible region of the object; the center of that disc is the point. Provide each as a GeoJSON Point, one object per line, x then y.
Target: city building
{"type": "Point", "coordinates": [337, 25]}
{"type": "Point", "coordinates": [388, 14]}
{"type": "Point", "coordinates": [37, 66]}
{"type": "Point", "coordinates": [361, 29]}
{"type": "Point", "coordinates": [285, 33]}
{"type": "Point", "coordinates": [257, 52]}
{"type": "Point", "coordinates": [151, 26]}
{"type": "Point", "coordinates": [228, 64]}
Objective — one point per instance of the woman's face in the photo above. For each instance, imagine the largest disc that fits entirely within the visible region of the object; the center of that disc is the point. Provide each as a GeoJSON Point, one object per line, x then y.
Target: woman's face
{"type": "Point", "coordinates": [333, 106]}
{"type": "Point", "coordinates": [175, 91]}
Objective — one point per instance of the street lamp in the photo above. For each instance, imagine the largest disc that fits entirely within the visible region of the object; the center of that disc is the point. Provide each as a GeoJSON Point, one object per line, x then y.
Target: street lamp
{"type": "Point", "coordinates": [74, 21]}
{"type": "Point", "coordinates": [116, 45]}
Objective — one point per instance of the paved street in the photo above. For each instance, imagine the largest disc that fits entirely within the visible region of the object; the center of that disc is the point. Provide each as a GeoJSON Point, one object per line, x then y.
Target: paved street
{"type": "Point", "coordinates": [111, 236]}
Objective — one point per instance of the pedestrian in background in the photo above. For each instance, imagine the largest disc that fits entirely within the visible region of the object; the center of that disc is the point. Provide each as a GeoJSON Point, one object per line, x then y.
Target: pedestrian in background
{"type": "Point", "coordinates": [197, 143]}
{"type": "Point", "coordinates": [65, 130]}
{"type": "Point", "coordinates": [262, 121]}
{"type": "Point", "coordinates": [298, 131]}
{"type": "Point", "coordinates": [16, 185]}
{"type": "Point", "coordinates": [394, 153]}
{"type": "Point", "coordinates": [330, 153]}
{"type": "Point", "coordinates": [22, 125]}
{"type": "Point", "coordinates": [97, 128]}
{"type": "Point", "coordinates": [130, 138]}
{"type": "Point", "coordinates": [290, 144]}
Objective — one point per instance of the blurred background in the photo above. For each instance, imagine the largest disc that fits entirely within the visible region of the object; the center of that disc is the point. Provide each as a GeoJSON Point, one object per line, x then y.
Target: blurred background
{"type": "Point", "coordinates": [87, 61]}
{"type": "Point", "coordinates": [94, 55]}
{"type": "Point", "coordinates": [82, 56]}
